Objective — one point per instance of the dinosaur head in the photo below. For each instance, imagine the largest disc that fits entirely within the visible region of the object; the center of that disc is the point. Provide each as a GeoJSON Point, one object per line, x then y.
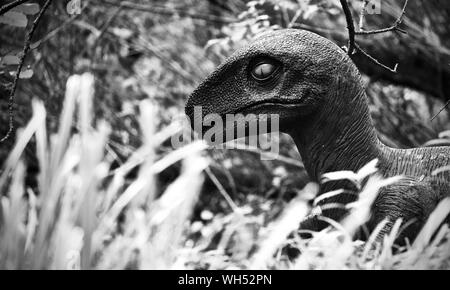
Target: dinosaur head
{"type": "Point", "coordinates": [288, 72]}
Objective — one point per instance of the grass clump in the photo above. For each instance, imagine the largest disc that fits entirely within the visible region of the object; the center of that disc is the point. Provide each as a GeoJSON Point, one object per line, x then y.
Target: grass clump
{"type": "Point", "coordinates": [86, 214]}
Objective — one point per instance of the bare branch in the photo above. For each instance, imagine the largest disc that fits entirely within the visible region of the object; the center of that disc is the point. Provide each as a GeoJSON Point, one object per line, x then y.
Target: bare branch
{"type": "Point", "coordinates": [26, 48]}
{"type": "Point", "coordinates": [58, 29]}
{"type": "Point", "coordinates": [107, 25]}
{"type": "Point", "coordinates": [375, 61]}
{"type": "Point", "coordinates": [440, 111]}
{"type": "Point", "coordinates": [384, 30]}
{"type": "Point", "coordinates": [350, 26]}
{"type": "Point", "coordinates": [394, 27]}
{"type": "Point", "coordinates": [351, 31]}
{"type": "Point", "coordinates": [5, 8]}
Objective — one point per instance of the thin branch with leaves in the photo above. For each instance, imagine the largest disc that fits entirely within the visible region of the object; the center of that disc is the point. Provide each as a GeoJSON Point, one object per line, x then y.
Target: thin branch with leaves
{"type": "Point", "coordinates": [26, 49]}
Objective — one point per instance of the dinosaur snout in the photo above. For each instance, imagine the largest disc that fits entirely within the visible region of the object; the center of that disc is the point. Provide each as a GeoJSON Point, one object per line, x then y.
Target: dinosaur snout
{"type": "Point", "coordinates": [196, 107]}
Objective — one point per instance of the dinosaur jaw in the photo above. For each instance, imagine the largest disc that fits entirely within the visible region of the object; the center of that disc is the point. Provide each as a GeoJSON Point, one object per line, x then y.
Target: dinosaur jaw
{"type": "Point", "coordinates": [266, 116]}
{"type": "Point", "coordinates": [275, 106]}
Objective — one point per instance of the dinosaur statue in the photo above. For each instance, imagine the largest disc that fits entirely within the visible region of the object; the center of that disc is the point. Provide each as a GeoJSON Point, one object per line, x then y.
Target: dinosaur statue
{"type": "Point", "coordinates": [319, 95]}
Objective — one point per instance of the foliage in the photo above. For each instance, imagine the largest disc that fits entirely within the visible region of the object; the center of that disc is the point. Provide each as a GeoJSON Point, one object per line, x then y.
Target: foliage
{"type": "Point", "coordinates": [99, 202]}
{"type": "Point", "coordinates": [87, 216]}
{"type": "Point", "coordinates": [16, 17]}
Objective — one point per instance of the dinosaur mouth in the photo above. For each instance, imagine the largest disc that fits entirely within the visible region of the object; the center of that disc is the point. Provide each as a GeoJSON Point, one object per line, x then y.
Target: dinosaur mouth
{"type": "Point", "coordinates": [269, 105]}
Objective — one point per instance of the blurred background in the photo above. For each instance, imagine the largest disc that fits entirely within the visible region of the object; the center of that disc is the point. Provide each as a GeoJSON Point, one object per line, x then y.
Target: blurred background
{"type": "Point", "coordinates": [158, 51]}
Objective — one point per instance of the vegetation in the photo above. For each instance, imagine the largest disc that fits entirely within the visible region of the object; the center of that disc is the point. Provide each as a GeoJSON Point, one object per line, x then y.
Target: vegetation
{"type": "Point", "coordinates": [89, 216]}
{"type": "Point", "coordinates": [91, 181]}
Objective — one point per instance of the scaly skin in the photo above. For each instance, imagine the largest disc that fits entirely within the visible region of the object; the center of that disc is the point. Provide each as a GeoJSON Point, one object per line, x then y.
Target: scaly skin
{"type": "Point", "coordinates": [320, 97]}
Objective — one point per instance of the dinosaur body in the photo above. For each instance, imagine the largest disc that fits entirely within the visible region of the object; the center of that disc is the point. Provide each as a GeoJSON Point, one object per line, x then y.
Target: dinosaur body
{"type": "Point", "coordinates": [319, 95]}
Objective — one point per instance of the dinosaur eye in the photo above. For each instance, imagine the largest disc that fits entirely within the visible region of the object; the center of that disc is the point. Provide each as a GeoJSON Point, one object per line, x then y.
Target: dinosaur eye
{"type": "Point", "coordinates": [264, 70]}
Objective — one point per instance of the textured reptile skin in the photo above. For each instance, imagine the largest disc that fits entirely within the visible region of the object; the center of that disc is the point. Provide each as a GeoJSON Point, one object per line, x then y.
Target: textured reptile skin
{"type": "Point", "coordinates": [331, 125]}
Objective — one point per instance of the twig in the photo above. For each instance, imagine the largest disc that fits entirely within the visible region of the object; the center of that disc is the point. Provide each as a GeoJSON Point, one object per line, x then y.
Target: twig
{"type": "Point", "coordinates": [108, 22]}
{"type": "Point", "coordinates": [384, 30]}
{"type": "Point", "coordinates": [174, 66]}
{"type": "Point", "coordinates": [5, 8]}
{"type": "Point", "coordinates": [375, 61]}
{"type": "Point", "coordinates": [222, 190]}
{"type": "Point", "coordinates": [440, 111]}
{"type": "Point", "coordinates": [350, 26]}
{"type": "Point", "coordinates": [351, 32]}
{"type": "Point", "coordinates": [394, 27]}
{"type": "Point", "coordinates": [105, 27]}
{"type": "Point", "coordinates": [294, 19]}
{"type": "Point", "coordinates": [56, 30]}
{"type": "Point", "coordinates": [26, 48]}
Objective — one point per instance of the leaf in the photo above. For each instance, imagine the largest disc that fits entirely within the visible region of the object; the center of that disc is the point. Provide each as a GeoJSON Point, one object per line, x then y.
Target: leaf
{"type": "Point", "coordinates": [25, 74]}
{"type": "Point", "coordinates": [436, 142]}
{"type": "Point", "coordinates": [29, 9]}
{"type": "Point", "coordinates": [122, 32]}
{"type": "Point", "coordinates": [35, 44]}
{"type": "Point", "coordinates": [441, 170]}
{"type": "Point", "coordinates": [445, 134]}
{"type": "Point", "coordinates": [213, 42]}
{"type": "Point", "coordinates": [14, 19]}
{"type": "Point", "coordinates": [368, 169]}
{"type": "Point", "coordinates": [310, 12]}
{"type": "Point", "coordinates": [434, 221]}
{"type": "Point", "coordinates": [432, 38]}
{"type": "Point", "coordinates": [10, 60]}
{"type": "Point", "coordinates": [339, 175]}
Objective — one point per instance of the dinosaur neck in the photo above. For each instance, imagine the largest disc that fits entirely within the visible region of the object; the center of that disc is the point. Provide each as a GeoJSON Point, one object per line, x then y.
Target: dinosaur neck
{"type": "Point", "coordinates": [339, 137]}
